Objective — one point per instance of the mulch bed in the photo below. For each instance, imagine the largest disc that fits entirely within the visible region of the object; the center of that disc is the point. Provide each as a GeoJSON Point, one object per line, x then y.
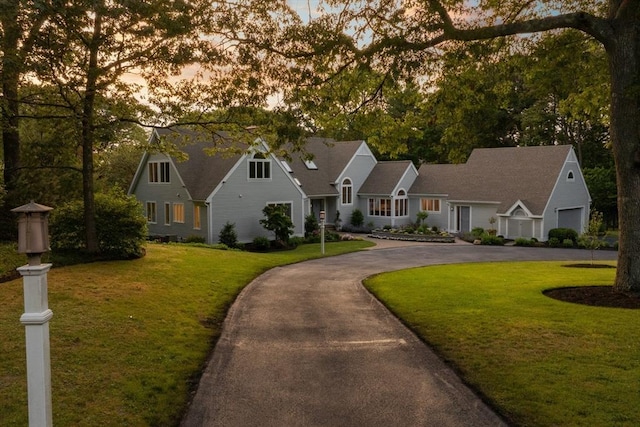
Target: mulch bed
{"type": "Point", "coordinates": [599, 296]}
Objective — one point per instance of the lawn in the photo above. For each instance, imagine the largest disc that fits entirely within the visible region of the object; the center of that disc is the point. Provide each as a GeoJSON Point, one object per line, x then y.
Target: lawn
{"type": "Point", "coordinates": [539, 361]}
{"type": "Point", "coordinates": [129, 338]}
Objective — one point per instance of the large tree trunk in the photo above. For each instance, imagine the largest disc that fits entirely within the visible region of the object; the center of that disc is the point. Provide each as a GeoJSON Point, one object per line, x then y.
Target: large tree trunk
{"type": "Point", "coordinates": [88, 118]}
{"type": "Point", "coordinates": [624, 64]}
{"type": "Point", "coordinates": [10, 113]}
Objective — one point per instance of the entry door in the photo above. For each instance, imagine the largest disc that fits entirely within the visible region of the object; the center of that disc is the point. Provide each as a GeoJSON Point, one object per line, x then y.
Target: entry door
{"type": "Point", "coordinates": [463, 215]}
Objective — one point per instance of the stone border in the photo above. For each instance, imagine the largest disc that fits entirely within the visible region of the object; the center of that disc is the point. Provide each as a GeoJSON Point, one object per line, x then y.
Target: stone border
{"type": "Point", "coordinates": [411, 237]}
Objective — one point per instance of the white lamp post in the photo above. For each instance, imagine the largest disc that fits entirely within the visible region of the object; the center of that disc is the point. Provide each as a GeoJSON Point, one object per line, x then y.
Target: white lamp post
{"type": "Point", "coordinates": [322, 216]}
{"type": "Point", "coordinates": [33, 240]}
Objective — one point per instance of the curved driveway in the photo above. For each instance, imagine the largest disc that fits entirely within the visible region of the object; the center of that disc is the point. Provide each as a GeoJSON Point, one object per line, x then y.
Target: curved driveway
{"type": "Point", "coordinates": [307, 345]}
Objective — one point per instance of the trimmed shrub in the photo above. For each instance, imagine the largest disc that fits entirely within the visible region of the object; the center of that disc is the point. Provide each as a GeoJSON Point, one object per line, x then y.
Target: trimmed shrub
{"type": "Point", "coordinates": [195, 239]}
{"type": "Point", "coordinates": [347, 228]}
{"type": "Point", "coordinates": [554, 242]}
{"type": "Point", "coordinates": [357, 218]}
{"type": "Point", "coordinates": [521, 241]}
{"type": "Point", "coordinates": [120, 225]}
{"type": "Point", "coordinates": [567, 243]}
{"type": "Point", "coordinates": [563, 234]}
{"type": "Point", "coordinates": [488, 239]}
{"type": "Point", "coordinates": [261, 243]}
{"type": "Point", "coordinates": [477, 232]}
{"type": "Point", "coordinates": [228, 235]}
{"type": "Point", "coordinates": [279, 222]}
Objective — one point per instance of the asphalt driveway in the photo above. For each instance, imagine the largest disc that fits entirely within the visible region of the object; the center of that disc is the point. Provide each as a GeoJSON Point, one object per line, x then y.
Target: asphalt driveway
{"type": "Point", "coordinates": [307, 345]}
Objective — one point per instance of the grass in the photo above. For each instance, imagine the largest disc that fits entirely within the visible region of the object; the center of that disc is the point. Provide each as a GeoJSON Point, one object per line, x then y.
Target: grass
{"type": "Point", "coordinates": [129, 338]}
{"type": "Point", "coordinates": [541, 362]}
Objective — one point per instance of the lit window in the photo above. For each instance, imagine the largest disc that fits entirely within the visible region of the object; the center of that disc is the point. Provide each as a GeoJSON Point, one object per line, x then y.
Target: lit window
{"type": "Point", "coordinates": [151, 212]}
{"type": "Point", "coordinates": [159, 172]}
{"type": "Point", "coordinates": [178, 213]}
{"type": "Point", "coordinates": [196, 217]}
{"type": "Point", "coordinates": [401, 204]}
{"type": "Point", "coordinates": [379, 207]}
{"type": "Point", "coordinates": [167, 214]}
{"type": "Point", "coordinates": [430, 205]}
{"type": "Point", "coordinates": [259, 167]}
{"type": "Point", "coordinates": [347, 192]}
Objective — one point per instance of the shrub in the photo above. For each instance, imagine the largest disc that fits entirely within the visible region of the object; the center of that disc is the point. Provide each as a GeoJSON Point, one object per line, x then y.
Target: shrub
{"type": "Point", "coordinates": [194, 239]}
{"type": "Point", "coordinates": [352, 229]}
{"type": "Point", "coordinates": [563, 233]}
{"type": "Point", "coordinates": [477, 232]}
{"type": "Point", "coordinates": [357, 218]}
{"type": "Point", "coordinates": [408, 229]}
{"type": "Point", "coordinates": [567, 243]}
{"type": "Point", "coordinates": [121, 227]}
{"type": "Point", "coordinates": [261, 243]}
{"type": "Point", "coordinates": [310, 224]}
{"type": "Point", "coordinates": [277, 221]}
{"type": "Point", "coordinates": [554, 242]}
{"type": "Point", "coordinates": [488, 239]}
{"type": "Point", "coordinates": [295, 241]}
{"type": "Point", "coordinates": [228, 235]}
{"type": "Point", "coordinates": [421, 216]}
{"type": "Point", "coordinates": [387, 227]}
{"type": "Point", "coordinates": [521, 241]}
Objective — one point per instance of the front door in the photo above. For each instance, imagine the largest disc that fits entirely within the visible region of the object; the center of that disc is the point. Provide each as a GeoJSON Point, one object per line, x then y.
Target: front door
{"type": "Point", "coordinates": [463, 218]}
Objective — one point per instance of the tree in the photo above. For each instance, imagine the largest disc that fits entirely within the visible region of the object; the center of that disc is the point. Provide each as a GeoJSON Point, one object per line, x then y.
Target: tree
{"type": "Point", "coordinates": [277, 220]}
{"type": "Point", "coordinates": [411, 35]}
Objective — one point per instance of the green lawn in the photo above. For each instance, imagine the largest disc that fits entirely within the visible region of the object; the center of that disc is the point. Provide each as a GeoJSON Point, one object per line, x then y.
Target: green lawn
{"type": "Point", "coordinates": [541, 362]}
{"type": "Point", "coordinates": [129, 338]}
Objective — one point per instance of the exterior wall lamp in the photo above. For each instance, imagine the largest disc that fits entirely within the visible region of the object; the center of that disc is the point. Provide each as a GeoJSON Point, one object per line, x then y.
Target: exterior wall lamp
{"type": "Point", "coordinates": [33, 240]}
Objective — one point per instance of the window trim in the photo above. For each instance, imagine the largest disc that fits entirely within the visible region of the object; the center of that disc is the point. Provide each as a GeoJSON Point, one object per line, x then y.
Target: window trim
{"type": "Point", "coordinates": [379, 207]}
{"type": "Point", "coordinates": [152, 219]}
{"type": "Point", "coordinates": [159, 172]}
{"type": "Point", "coordinates": [178, 213]}
{"type": "Point", "coordinates": [571, 176]}
{"type": "Point", "coordinates": [346, 192]}
{"type": "Point", "coordinates": [288, 204]}
{"type": "Point", "coordinates": [424, 204]}
{"type": "Point", "coordinates": [167, 213]}
{"type": "Point", "coordinates": [401, 204]}
{"type": "Point", "coordinates": [265, 168]}
{"type": "Point", "coordinates": [197, 217]}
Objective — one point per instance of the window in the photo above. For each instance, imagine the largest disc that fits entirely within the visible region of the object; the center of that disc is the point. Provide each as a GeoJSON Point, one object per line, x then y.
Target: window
{"type": "Point", "coordinates": [310, 165]}
{"type": "Point", "coordinates": [379, 207]}
{"type": "Point", "coordinates": [401, 204]}
{"type": "Point", "coordinates": [287, 207]}
{"type": "Point", "coordinates": [571, 176]}
{"type": "Point", "coordinates": [347, 192]}
{"type": "Point", "coordinates": [167, 213]}
{"type": "Point", "coordinates": [178, 213]}
{"type": "Point", "coordinates": [430, 205]}
{"type": "Point", "coordinates": [196, 217]}
{"type": "Point", "coordinates": [151, 212]}
{"type": "Point", "coordinates": [159, 172]}
{"type": "Point", "coordinates": [259, 167]}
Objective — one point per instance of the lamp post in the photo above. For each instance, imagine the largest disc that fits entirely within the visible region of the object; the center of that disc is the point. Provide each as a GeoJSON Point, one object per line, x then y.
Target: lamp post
{"type": "Point", "coordinates": [33, 240]}
{"type": "Point", "coordinates": [322, 217]}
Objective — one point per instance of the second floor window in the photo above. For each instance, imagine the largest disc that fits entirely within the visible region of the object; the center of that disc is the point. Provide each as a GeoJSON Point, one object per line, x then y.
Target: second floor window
{"type": "Point", "coordinates": [159, 172]}
{"type": "Point", "coordinates": [259, 167]}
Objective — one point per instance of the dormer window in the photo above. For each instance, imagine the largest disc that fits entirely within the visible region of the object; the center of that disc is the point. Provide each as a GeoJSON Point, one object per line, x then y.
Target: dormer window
{"type": "Point", "coordinates": [259, 167]}
{"type": "Point", "coordinates": [571, 176]}
{"type": "Point", "coordinates": [159, 172]}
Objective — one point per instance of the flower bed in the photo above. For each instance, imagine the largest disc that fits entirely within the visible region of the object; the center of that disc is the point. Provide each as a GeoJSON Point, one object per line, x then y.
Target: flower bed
{"type": "Point", "coordinates": [433, 238]}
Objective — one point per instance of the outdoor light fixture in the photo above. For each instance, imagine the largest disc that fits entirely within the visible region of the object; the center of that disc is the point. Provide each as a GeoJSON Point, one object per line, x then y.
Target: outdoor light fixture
{"type": "Point", "coordinates": [33, 230]}
{"type": "Point", "coordinates": [33, 240]}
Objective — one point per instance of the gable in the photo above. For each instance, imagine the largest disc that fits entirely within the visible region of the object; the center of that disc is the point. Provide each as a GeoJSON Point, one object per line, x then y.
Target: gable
{"type": "Point", "coordinates": [386, 177]}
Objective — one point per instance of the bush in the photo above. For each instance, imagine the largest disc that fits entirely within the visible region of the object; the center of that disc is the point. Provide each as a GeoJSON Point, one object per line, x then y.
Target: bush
{"type": "Point", "coordinates": [563, 234]}
{"type": "Point", "coordinates": [357, 218]}
{"type": "Point", "coordinates": [195, 239]}
{"type": "Point", "coordinates": [277, 221]}
{"type": "Point", "coordinates": [120, 225]}
{"type": "Point", "coordinates": [477, 232]}
{"type": "Point", "coordinates": [310, 224]}
{"type": "Point", "coordinates": [488, 239]}
{"type": "Point", "coordinates": [261, 243]}
{"type": "Point", "coordinates": [554, 242]}
{"type": "Point", "coordinates": [408, 229]}
{"type": "Point", "coordinates": [521, 241]}
{"type": "Point", "coordinates": [228, 235]}
{"type": "Point", "coordinates": [361, 229]}
{"type": "Point", "coordinates": [567, 243]}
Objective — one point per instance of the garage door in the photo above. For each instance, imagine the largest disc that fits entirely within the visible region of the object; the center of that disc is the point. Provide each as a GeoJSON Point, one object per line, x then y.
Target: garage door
{"type": "Point", "coordinates": [570, 218]}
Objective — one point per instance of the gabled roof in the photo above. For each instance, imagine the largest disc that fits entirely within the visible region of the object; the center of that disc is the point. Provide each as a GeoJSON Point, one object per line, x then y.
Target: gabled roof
{"type": "Point", "coordinates": [498, 175]}
{"type": "Point", "coordinates": [331, 158]}
{"type": "Point", "coordinates": [384, 177]}
{"type": "Point", "coordinates": [202, 172]}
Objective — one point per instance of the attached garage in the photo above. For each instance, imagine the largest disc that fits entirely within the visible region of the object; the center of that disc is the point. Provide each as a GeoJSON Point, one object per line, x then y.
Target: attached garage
{"type": "Point", "coordinates": [570, 218]}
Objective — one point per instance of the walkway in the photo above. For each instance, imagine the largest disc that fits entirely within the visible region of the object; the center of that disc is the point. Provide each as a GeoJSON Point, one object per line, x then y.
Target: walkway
{"type": "Point", "coordinates": [307, 345]}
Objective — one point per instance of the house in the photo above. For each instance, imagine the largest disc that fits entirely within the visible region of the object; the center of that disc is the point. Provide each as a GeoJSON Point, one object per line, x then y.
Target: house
{"type": "Point", "coordinates": [528, 190]}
